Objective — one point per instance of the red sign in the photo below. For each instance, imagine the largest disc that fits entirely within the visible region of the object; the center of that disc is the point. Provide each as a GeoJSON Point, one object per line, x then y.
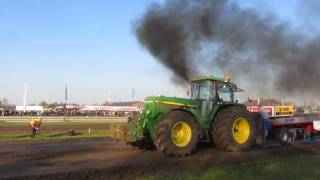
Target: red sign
{"type": "Point", "coordinates": [268, 109]}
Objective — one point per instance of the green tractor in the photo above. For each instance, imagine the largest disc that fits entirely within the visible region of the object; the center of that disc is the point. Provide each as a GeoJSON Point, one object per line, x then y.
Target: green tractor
{"type": "Point", "coordinates": [176, 125]}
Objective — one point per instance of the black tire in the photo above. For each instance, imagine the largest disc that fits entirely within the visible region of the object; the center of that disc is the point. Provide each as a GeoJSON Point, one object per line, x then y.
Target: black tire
{"type": "Point", "coordinates": [222, 129]}
{"type": "Point", "coordinates": [144, 144]}
{"type": "Point", "coordinates": [260, 134]}
{"type": "Point", "coordinates": [163, 140]}
{"type": "Point", "coordinates": [282, 135]}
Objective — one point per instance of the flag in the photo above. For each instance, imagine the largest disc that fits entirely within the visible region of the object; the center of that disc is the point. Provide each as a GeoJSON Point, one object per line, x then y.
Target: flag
{"type": "Point", "coordinates": [305, 102]}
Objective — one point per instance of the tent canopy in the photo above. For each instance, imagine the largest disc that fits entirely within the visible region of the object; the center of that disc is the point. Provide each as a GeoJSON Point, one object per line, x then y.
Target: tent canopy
{"type": "Point", "coordinates": [30, 108]}
{"type": "Point", "coordinates": [111, 108]}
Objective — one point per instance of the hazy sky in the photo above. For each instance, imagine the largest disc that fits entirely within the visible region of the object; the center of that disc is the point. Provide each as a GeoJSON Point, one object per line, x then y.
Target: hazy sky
{"type": "Point", "coordinates": [88, 44]}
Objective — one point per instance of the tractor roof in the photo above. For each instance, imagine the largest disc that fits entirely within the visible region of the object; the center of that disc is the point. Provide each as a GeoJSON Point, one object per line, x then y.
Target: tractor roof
{"type": "Point", "coordinates": [224, 80]}
{"type": "Point", "coordinates": [211, 78]}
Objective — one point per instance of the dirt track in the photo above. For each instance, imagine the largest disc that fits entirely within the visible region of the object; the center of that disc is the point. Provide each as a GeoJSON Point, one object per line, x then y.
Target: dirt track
{"type": "Point", "coordinates": [102, 158]}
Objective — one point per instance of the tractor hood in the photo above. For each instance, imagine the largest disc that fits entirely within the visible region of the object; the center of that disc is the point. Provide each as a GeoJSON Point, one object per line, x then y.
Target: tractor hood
{"type": "Point", "coordinates": [174, 101]}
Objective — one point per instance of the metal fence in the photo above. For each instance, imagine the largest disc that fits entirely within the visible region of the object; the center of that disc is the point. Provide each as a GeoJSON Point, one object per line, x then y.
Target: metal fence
{"type": "Point", "coordinates": [17, 119]}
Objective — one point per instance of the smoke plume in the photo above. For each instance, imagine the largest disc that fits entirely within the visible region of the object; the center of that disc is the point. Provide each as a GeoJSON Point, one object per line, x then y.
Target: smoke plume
{"type": "Point", "coordinates": [190, 37]}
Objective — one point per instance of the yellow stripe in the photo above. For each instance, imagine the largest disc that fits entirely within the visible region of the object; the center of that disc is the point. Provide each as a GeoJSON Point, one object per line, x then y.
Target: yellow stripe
{"type": "Point", "coordinates": [172, 103]}
{"type": "Point", "coordinates": [148, 101]}
{"type": "Point", "coordinates": [177, 104]}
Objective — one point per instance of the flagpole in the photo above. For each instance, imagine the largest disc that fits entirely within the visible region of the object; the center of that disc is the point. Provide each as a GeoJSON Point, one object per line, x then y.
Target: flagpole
{"type": "Point", "coordinates": [25, 97]}
{"type": "Point", "coordinates": [65, 101]}
{"type": "Point", "coordinates": [132, 96]}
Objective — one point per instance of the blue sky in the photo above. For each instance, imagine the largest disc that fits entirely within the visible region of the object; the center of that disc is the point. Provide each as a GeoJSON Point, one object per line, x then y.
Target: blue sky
{"type": "Point", "coordinates": [88, 44]}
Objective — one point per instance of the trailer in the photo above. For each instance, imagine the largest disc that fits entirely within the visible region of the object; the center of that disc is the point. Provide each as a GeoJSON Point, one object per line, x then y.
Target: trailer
{"type": "Point", "coordinates": [286, 126]}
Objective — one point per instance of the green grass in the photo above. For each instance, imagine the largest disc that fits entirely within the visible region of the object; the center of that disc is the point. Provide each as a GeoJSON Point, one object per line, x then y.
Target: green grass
{"type": "Point", "coordinates": [56, 135]}
{"type": "Point", "coordinates": [300, 167]}
{"type": "Point", "coordinates": [52, 134]}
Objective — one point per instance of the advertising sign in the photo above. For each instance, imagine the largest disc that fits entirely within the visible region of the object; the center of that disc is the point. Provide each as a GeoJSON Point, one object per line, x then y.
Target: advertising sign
{"type": "Point", "coordinates": [283, 110]}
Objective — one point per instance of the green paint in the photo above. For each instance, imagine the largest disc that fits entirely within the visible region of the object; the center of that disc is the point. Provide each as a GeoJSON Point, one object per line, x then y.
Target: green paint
{"type": "Point", "coordinates": [212, 78]}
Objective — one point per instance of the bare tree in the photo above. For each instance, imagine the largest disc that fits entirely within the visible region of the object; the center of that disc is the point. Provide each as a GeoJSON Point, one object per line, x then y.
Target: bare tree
{"type": "Point", "coordinates": [44, 104]}
{"type": "Point", "coordinates": [5, 102]}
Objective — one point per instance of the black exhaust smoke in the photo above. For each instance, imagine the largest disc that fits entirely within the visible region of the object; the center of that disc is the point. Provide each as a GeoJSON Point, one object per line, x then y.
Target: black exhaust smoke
{"type": "Point", "coordinates": [191, 37]}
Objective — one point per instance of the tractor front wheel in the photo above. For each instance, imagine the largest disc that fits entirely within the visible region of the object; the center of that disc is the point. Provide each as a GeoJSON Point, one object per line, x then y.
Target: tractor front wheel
{"type": "Point", "coordinates": [177, 134]}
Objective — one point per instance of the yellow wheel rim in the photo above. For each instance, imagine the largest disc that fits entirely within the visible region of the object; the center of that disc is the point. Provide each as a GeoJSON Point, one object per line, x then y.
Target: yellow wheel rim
{"type": "Point", "coordinates": [241, 130]}
{"type": "Point", "coordinates": [181, 134]}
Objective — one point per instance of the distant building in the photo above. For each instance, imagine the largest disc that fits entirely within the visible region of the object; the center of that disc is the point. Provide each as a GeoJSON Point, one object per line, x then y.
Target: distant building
{"type": "Point", "coordinates": [1, 112]}
{"type": "Point", "coordinates": [265, 102]}
{"type": "Point", "coordinates": [68, 107]}
{"type": "Point", "coordinates": [110, 110]}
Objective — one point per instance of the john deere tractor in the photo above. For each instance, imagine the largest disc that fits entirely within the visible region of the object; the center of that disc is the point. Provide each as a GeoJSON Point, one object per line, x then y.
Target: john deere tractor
{"type": "Point", "coordinates": [211, 114]}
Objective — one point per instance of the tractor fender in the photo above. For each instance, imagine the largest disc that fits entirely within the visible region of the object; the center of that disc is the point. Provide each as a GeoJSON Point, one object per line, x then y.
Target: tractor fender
{"type": "Point", "coordinates": [185, 110]}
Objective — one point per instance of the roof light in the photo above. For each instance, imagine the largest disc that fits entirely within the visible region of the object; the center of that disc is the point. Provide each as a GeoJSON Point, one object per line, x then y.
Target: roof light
{"type": "Point", "coordinates": [227, 78]}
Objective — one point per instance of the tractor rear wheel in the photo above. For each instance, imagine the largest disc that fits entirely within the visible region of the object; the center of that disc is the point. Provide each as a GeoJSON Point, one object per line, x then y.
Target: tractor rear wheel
{"type": "Point", "coordinates": [233, 129]}
{"type": "Point", "coordinates": [177, 134]}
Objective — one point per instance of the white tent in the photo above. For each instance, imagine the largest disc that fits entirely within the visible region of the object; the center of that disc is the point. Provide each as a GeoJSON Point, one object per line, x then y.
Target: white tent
{"type": "Point", "coordinates": [111, 108]}
{"type": "Point", "coordinates": [30, 109]}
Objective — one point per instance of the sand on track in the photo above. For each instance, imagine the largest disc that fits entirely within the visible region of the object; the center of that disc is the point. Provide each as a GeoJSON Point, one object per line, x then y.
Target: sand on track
{"type": "Point", "coordinates": [103, 158]}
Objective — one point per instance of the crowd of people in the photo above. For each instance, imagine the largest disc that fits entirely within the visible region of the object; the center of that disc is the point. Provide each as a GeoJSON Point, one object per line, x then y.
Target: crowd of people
{"type": "Point", "coordinates": [69, 112]}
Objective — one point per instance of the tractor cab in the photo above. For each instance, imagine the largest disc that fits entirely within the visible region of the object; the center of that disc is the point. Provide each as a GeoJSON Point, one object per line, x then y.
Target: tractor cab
{"type": "Point", "coordinates": [212, 90]}
{"type": "Point", "coordinates": [215, 89]}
